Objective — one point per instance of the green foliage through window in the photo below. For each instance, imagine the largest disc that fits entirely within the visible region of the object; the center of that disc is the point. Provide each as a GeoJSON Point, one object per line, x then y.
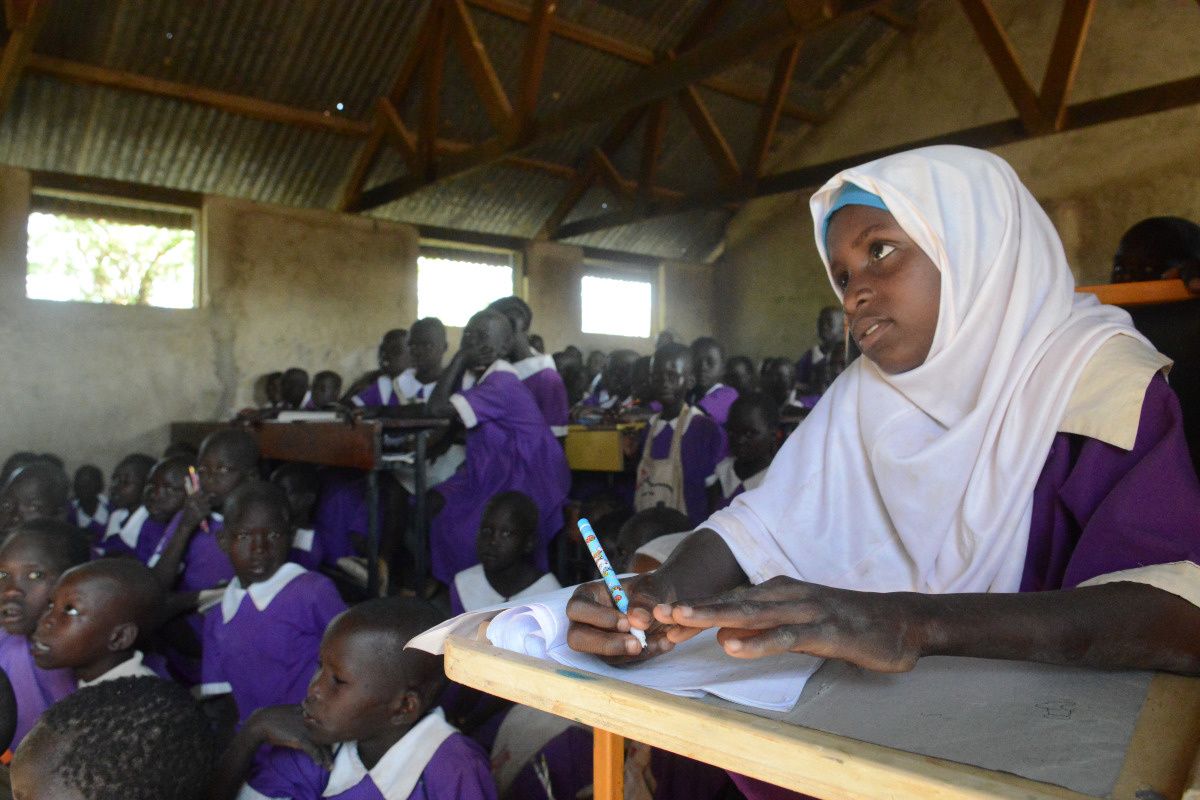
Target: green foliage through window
{"type": "Point", "coordinates": [96, 260]}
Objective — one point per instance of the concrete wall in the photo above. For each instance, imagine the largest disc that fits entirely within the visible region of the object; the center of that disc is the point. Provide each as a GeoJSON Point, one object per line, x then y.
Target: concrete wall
{"type": "Point", "coordinates": [283, 287]}
{"type": "Point", "coordinates": [1094, 183]}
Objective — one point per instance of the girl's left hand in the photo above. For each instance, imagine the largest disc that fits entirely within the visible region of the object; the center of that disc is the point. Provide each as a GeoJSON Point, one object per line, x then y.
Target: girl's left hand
{"type": "Point", "coordinates": [877, 631]}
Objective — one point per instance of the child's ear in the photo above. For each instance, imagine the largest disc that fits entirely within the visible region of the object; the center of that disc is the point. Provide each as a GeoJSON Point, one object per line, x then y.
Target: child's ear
{"type": "Point", "coordinates": [406, 707]}
{"type": "Point", "coordinates": [123, 637]}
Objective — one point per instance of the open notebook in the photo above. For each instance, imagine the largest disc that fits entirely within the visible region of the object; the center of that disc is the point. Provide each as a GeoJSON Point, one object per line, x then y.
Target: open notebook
{"type": "Point", "coordinates": [538, 627]}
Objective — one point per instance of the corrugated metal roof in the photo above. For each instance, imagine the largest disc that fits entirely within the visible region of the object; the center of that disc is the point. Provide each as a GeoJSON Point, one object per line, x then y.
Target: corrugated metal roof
{"type": "Point", "coordinates": [313, 54]}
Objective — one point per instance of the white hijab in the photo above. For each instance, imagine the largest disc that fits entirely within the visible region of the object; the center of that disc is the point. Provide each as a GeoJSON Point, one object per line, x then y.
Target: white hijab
{"type": "Point", "coordinates": [923, 481]}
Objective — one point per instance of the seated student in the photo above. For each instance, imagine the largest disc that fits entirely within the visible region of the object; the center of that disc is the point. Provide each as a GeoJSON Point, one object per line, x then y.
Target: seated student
{"type": "Point", "coordinates": [535, 369]}
{"type": "Point", "coordinates": [1002, 475]}
{"type": "Point", "coordinates": [36, 491]}
{"type": "Point", "coordinates": [31, 561]}
{"type": "Point", "coordinates": [508, 535]}
{"type": "Point", "coordinates": [708, 365]}
{"type": "Point", "coordinates": [1159, 247]}
{"type": "Point", "coordinates": [273, 389]}
{"type": "Point", "coordinates": [680, 446]}
{"type": "Point", "coordinates": [426, 349]}
{"type": "Point", "coordinates": [779, 383]}
{"type": "Point", "coordinates": [125, 489]}
{"type": "Point", "coordinates": [393, 360]}
{"type": "Point", "coordinates": [368, 727]}
{"type": "Point", "coordinates": [614, 386]}
{"type": "Point", "coordinates": [641, 391]}
{"type": "Point", "coordinates": [301, 486]}
{"type": "Point", "coordinates": [509, 447]}
{"type": "Point", "coordinates": [753, 433]}
{"type": "Point", "coordinates": [326, 389]}
{"type": "Point", "coordinates": [741, 375]}
{"type": "Point", "coordinates": [632, 549]}
{"type": "Point", "coordinates": [89, 506]}
{"type": "Point", "coordinates": [129, 738]}
{"type": "Point", "coordinates": [293, 388]}
{"type": "Point", "coordinates": [818, 367]}
{"type": "Point", "coordinates": [189, 558]}
{"type": "Point", "coordinates": [163, 498]}
{"type": "Point", "coordinates": [596, 361]}
{"type": "Point", "coordinates": [96, 614]}
{"type": "Point", "coordinates": [260, 644]}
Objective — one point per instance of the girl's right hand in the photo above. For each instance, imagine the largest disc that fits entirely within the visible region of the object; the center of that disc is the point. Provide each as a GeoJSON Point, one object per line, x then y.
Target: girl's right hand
{"type": "Point", "coordinates": [283, 726]}
{"type": "Point", "coordinates": [196, 509]}
{"type": "Point", "coordinates": [597, 627]}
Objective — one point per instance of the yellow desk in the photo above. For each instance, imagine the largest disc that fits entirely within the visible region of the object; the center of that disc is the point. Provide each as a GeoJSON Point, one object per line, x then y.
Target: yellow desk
{"type": "Point", "coordinates": [598, 448]}
{"type": "Point", "coordinates": [1157, 764]}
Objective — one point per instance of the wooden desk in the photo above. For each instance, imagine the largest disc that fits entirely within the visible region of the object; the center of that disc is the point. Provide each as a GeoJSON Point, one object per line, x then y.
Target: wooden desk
{"type": "Point", "coordinates": [1157, 763]}
{"type": "Point", "coordinates": [598, 448]}
{"type": "Point", "coordinates": [1140, 293]}
{"type": "Point", "coordinates": [362, 444]}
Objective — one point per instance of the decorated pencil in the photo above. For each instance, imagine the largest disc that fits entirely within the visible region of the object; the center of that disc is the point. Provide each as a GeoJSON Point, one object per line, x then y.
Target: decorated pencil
{"type": "Point", "coordinates": [619, 597]}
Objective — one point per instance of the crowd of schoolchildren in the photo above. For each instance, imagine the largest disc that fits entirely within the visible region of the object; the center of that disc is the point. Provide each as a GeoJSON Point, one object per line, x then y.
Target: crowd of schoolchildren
{"type": "Point", "coordinates": [195, 632]}
{"type": "Point", "coordinates": [199, 617]}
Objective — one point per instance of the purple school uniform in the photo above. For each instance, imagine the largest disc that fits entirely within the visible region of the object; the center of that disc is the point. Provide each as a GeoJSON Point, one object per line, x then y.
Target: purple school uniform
{"type": "Point", "coordinates": [509, 447]}
{"type": "Point", "coordinates": [95, 524]}
{"type": "Point", "coordinates": [1089, 512]}
{"type": "Point", "coordinates": [717, 402]}
{"type": "Point", "coordinates": [341, 511]}
{"type": "Point", "coordinates": [457, 770]}
{"type": "Point", "coordinates": [139, 537]}
{"type": "Point", "coordinates": [308, 549]}
{"type": "Point", "coordinates": [380, 393]}
{"type": "Point", "coordinates": [34, 688]}
{"type": "Point", "coordinates": [702, 448]}
{"type": "Point", "coordinates": [539, 374]}
{"type": "Point", "coordinates": [204, 564]}
{"type": "Point", "coordinates": [261, 644]}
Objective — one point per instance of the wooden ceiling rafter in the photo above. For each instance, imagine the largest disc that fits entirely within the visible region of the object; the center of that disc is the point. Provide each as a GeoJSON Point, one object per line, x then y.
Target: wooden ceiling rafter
{"type": "Point", "coordinates": [652, 140]}
{"type": "Point", "coordinates": [715, 143]}
{"type": "Point", "coordinates": [25, 21]}
{"type": "Point", "coordinates": [533, 61]}
{"type": "Point", "coordinates": [480, 71]}
{"type": "Point", "coordinates": [768, 121]}
{"type": "Point", "coordinates": [636, 54]}
{"type": "Point", "coordinates": [433, 71]}
{"type": "Point", "coordinates": [1004, 60]}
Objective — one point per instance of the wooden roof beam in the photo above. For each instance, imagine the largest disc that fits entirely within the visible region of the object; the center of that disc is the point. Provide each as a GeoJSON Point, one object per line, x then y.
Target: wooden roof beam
{"type": "Point", "coordinates": [432, 73]}
{"type": "Point", "coordinates": [770, 31]}
{"type": "Point", "coordinates": [636, 54]}
{"type": "Point", "coordinates": [25, 21]}
{"type": "Point", "coordinates": [652, 139]}
{"type": "Point", "coordinates": [1064, 61]}
{"type": "Point", "coordinates": [710, 136]}
{"type": "Point", "coordinates": [1003, 57]}
{"type": "Point", "coordinates": [1125, 105]}
{"type": "Point", "coordinates": [479, 67]}
{"type": "Point", "coordinates": [533, 59]}
{"type": "Point", "coordinates": [768, 121]}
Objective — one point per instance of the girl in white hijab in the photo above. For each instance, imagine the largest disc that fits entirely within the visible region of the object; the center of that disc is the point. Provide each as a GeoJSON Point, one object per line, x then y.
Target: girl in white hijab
{"type": "Point", "coordinates": [1001, 435]}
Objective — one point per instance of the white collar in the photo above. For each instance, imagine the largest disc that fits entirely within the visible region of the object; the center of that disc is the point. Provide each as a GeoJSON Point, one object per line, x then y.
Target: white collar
{"type": "Point", "coordinates": [387, 387]}
{"type": "Point", "coordinates": [261, 593]}
{"type": "Point", "coordinates": [714, 387]}
{"type": "Point", "coordinates": [657, 423]}
{"type": "Point", "coordinates": [397, 773]}
{"type": "Point", "coordinates": [499, 365]}
{"type": "Point", "coordinates": [132, 527]}
{"type": "Point", "coordinates": [131, 667]}
{"type": "Point", "coordinates": [534, 364]}
{"type": "Point", "coordinates": [475, 592]}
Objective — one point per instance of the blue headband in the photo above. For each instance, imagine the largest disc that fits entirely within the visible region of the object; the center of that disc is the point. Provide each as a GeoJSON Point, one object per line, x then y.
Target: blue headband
{"type": "Point", "coordinates": [850, 195]}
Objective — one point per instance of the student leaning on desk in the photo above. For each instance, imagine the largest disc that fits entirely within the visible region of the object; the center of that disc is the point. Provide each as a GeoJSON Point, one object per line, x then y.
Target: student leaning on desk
{"type": "Point", "coordinates": [1003, 476]}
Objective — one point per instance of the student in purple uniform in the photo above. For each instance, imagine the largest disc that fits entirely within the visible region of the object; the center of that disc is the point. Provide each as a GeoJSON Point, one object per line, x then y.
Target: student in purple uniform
{"type": "Point", "coordinates": [96, 615]}
{"type": "Point", "coordinates": [326, 389]}
{"type": "Point", "coordinates": [36, 491]}
{"type": "Point", "coordinates": [536, 370]}
{"type": "Point", "coordinates": [300, 485]}
{"type": "Point", "coordinates": [293, 387]}
{"type": "Point", "coordinates": [89, 506]}
{"type": "Point", "coordinates": [260, 643]}
{"type": "Point", "coordinates": [509, 447]}
{"type": "Point", "coordinates": [31, 561]}
{"type": "Point", "coordinates": [614, 388]}
{"type": "Point", "coordinates": [980, 480]}
{"type": "Point", "coordinates": [426, 349]}
{"type": "Point", "coordinates": [640, 530]}
{"type": "Point", "coordinates": [709, 394]}
{"type": "Point", "coordinates": [124, 739]}
{"type": "Point", "coordinates": [779, 383]}
{"type": "Point", "coordinates": [741, 375]}
{"type": "Point", "coordinates": [508, 536]}
{"type": "Point", "coordinates": [125, 489]}
{"type": "Point", "coordinates": [163, 498]}
{"type": "Point", "coordinates": [818, 367]}
{"type": "Point", "coordinates": [680, 446]}
{"type": "Point", "coordinates": [393, 360]}
{"type": "Point", "coordinates": [368, 728]}
{"type": "Point", "coordinates": [753, 433]}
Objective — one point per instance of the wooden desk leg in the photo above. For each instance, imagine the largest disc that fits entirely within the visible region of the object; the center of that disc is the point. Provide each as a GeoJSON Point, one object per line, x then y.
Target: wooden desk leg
{"type": "Point", "coordinates": [608, 765]}
{"type": "Point", "coordinates": [419, 536]}
{"type": "Point", "coordinates": [373, 534]}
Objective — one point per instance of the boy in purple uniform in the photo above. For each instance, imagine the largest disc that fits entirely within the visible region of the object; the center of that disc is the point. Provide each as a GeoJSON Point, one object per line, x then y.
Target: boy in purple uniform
{"type": "Point", "coordinates": [536, 370]}
{"type": "Point", "coordinates": [162, 499]}
{"type": "Point", "coordinates": [299, 483]}
{"type": "Point", "coordinates": [426, 349]}
{"type": "Point", "coordinates": [89, 507]}
{"type": "Point", "coordinates": [680, 446]}
{"type": "Point", "coordinates": [753, 432]}
{"type": "Point", "coordinates": [393, 360]}
{"type": "Point", "coordinates": [509, 447]}
{"type": "Point", "coordinates": [294, 387]}
{"type": "Point", "coordinates": [367, 729]}
{"type": "Point", "coordinates": [125, 489]}
{"type": "Point", "coordinates": [97, 613]}
{"type": "Point", "coordinates": [260, 643]}
{"type": "Point", "coordinates": [326, 389]}
{"type": "Point", "coordinates": [708, 364]}
{"type": "Point", "coordinates": [31, 561]}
